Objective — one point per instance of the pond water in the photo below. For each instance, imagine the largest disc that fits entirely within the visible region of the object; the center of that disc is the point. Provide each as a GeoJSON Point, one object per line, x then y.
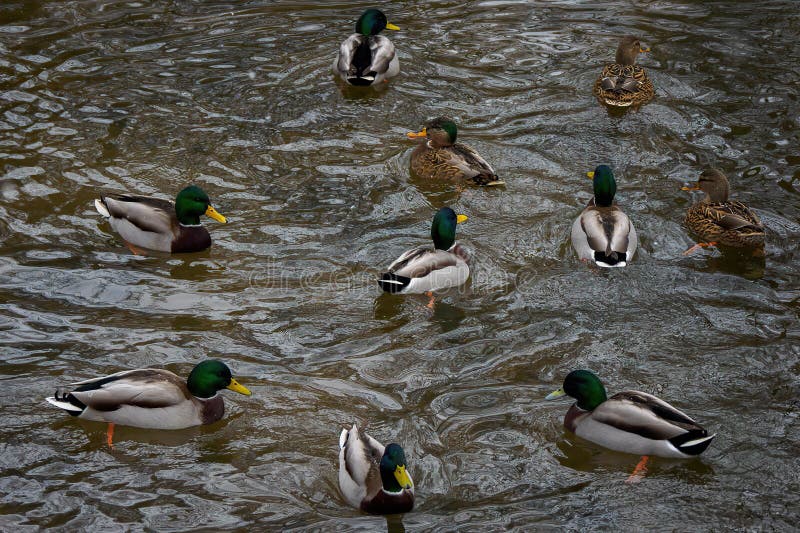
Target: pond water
{"type": "Point", "coordinates": [238, 97]}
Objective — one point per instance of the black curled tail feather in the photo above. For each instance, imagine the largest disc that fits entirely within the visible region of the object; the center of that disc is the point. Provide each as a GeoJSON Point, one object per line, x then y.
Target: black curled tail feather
{"type": "Point", "coordinates": [69, 398]}
{"type": "Point", "coordinates": [693, 442]}
{"type": "Point", "coordinates": [611, 258]}
{"type": "Point", "coordinates": [393, 283]}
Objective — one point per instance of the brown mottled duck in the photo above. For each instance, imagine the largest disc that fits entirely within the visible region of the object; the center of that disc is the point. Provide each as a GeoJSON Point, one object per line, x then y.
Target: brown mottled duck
{"type": "Point", "coordinates": [624, 83]}
{"type": "Point", "coordinates": [717, 220]}
{"type": "Point", "coordinates": [440, 157]}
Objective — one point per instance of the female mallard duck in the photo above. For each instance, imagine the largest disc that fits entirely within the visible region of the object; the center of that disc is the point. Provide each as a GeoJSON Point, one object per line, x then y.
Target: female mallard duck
{"type": "Point", "coordinates": [630, 421]}
{"type": "Point", "coordinates": [717, 220]}
{"type": "Point", "coordinates": [603, 233]}
{"type": "Point", "coordinates": [440, 157]}
{"type": "Point", "coordinates": [366, 58]}
{"type": "Point", "coordinates": [152, 398]}
{"type": "Point", "coordinates": [158, 224]}
{"type": "Point", "coordinates": [623, 83]}
{"type": "Point", "coordinates": [426, 269]}
{"type": "Point", "coordinates": [371, 477]}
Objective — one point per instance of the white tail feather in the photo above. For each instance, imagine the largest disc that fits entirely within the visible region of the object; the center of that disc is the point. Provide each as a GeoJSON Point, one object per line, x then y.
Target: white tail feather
{"type": "Point", "coordinates": [390, 281]}
{"type": "Point", "coordinates": [101, 208]}
{"type": "Point", "coordinates": [606, 265]}
{"type": "Point", "coordinates": [64, 405]}
{"type": "Point", "coordinates": [695, 442]}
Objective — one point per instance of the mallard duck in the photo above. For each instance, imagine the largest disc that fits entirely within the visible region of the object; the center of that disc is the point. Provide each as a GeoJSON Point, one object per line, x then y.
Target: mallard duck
{"type": "Point", "coordinates": [623, 83]}
{"type": "Point", "coordinates": [603, 233]}
{"type": "Point", "coordinates": [630, 421]}
{"type": "Point", "coordinates": [161, 225]}
{"type": "Point", "coordinates": [717, 220]}
{"type": "Point", "coordinates": [426, 269]}
{"type": "Point", "coordinates": [366, 58]}
{"type": "Point", "coordinates": [440, 157]}
{"type": "Point", "coordinates": [151, 398]}
{"type": "Point", "coordinates": [371, 477]}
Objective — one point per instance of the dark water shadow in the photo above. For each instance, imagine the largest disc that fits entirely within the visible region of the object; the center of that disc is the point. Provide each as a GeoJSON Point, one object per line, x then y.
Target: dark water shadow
{"type": "Point", "coordinates": [447, 316]}
{"type": "Point", "coordinates": [355, 94]}
{"type": "Point", "coordinates": [583, 456]}
{"type": "Point", "coordinates": [748, 263]}
{"type": "Point", "coordinates": [96, 434]}
{"type": "Point", "coordinates": [394, 523]}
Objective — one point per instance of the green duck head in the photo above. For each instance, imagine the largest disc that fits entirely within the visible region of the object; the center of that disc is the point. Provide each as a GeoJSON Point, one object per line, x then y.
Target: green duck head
{"type": "Point", "coordinates": [372, 22]}
{"type": "Point", "coordinates": [393, 469]}
{"type": "Point", "coordinates": [629, 47]}
{"type": "Point", "coordinates": [714, 183]}
{"type": "Point", "coordinates": [441, 132]}
{"type": "Point", "coordinates": [192, 202]}
{"type": "Point", "coordinates": [605, 186]}
{"type": "Point", "coordinates": [443, 228]}
{"type": "Point", "coordinates": [584, 386]}
{"type": "Point", "coordinates": [211, 376]}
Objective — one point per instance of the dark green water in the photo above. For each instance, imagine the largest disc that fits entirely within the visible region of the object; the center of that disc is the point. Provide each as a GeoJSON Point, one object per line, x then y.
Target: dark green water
{"type": "Point", "coordinates": [238, 98]}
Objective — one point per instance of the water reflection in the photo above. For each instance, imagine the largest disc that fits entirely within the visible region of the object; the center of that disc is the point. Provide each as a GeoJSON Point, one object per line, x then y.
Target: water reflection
{"type": "Point", "coordinates": [582, 456]}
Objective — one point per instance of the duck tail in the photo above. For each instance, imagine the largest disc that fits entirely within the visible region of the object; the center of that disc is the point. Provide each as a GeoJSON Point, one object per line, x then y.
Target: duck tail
{"type": "Point", "coordinates": [68, 403]}
{"type": "Point", "coordinates": [610, 258]}
{"type": "Point", "coordinates": [362, 81]}
{"type": "Point", "coordinates": [487, 179]}
{"type": "Point", "coordinates": [100, 205]}
{"type": "Point", "coordinates": [393, 283]}
{"type": "Point", "coordinates": [692, 442]}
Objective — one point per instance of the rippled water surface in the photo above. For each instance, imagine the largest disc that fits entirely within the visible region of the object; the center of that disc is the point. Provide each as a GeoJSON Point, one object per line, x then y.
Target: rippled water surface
{"type": "Point", "coordinates": [149, 96]}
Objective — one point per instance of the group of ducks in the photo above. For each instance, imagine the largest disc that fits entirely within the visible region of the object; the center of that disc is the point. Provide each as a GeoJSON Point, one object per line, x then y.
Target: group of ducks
{"type": "Point", "coordinates": [374, 477]}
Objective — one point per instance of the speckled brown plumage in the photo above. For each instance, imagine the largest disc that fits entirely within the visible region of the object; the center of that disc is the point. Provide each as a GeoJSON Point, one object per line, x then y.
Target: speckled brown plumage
{"type": "Point", "coordinates": [730, 224]}
{"type": "Point", "coordinates": [624, 86]}
{"type": "Point", "coordinates": [717, 219]}
{"type": "Point", "coordinates": [623, 83]}
{"type": "Point", "coordinates": [440, 157]}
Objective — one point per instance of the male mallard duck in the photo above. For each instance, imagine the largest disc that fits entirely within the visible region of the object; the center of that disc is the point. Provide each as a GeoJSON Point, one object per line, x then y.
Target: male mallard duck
{"type": "Point", "coordinates": [717, 220]}
{"type": "Point", "coordinates": [426, 269]}
{"type": "Point", "coordinates": [158, 224]}
{"type": "Point", "coordinates": [366, 58]}
{"type": "Point", "coordinates": [603, 233]}
{"type": "Point", "coordinates": [630, 421]}
{"type": "Point", "coordinates": [624, 83]}
{"type": "Point", "coordinates": [371, 477]}
{"type": "Point", "coordinates": [440, 157]}
{"type": "Point", "coordinates": [152, 398]}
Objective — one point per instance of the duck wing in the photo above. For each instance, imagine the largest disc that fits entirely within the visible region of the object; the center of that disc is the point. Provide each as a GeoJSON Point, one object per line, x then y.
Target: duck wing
{"type": "Point", "coordinates": [347, 53]}
{"type": "Point", "coordinates": [147, 388]}
{"type": "Point", "coordinates": [147, 214]}
{"type": "Point", "coordinates": [608, 232]}
{"type": "Point", "coordinates": [471, 163]}
{"type": "Point", "coordinates": [419, 262]}
{"type": "Point", "coordinates": [361, 455]}
{"type": "Point", "coordinates": [382, 54]}
{"type": "Point", "coordinates": [733, 216]}
{"type": "Point", "coordinates": [645, 415]}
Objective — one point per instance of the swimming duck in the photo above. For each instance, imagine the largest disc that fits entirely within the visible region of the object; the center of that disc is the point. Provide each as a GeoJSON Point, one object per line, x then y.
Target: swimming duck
{"type": "Point", "coordinates": [629, 421]}
{"type": "Point", "coordinates": [623, 83]}
{"type": "Point", "coordinates": [440, 157]}
{"type": "Point", "coordinates": [151, 398]}
{"type": "Point", "coordinates": [366, 58]}
{"type": "Point", "coordinates": [602, 232]}
{"type": "Point", "coordinates": [373, 478]}
{"type": "Point", "coordinates": [717, 220]}
{"type": "Point", "coordinates": [427, 269]}
{"type": "Point", "coordinates": [158, 224]}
